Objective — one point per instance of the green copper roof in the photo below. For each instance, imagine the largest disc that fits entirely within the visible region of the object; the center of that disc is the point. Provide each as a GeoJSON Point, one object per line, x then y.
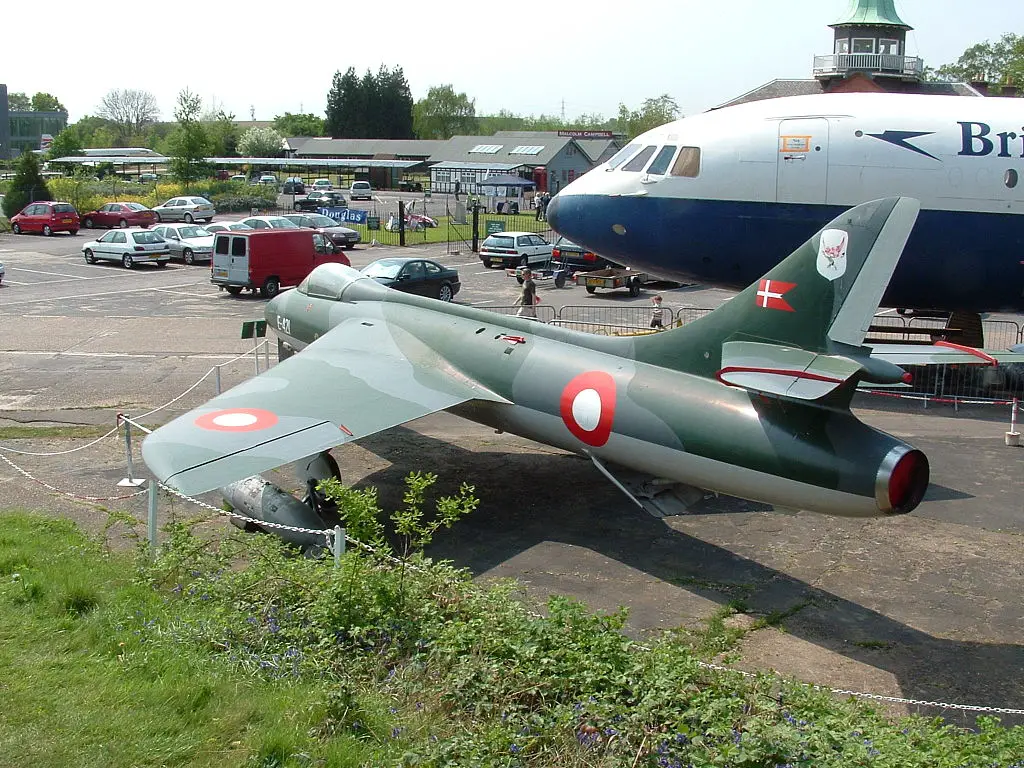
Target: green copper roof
{"type": "Point", "coordinates": [881, 12]}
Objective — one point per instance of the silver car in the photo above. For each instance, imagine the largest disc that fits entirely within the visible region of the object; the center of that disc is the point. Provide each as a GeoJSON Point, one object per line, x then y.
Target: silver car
{"type": "Point", "coordinates": [269, 222]}
{"type": "Point", "coordinates": [130, 247]}
{"type": "Point", "coordinates": [187, 209]}
{"type": "Point", "coordinates": [343, 237]}
{"type": "Point", "coordinates": [188, 242]}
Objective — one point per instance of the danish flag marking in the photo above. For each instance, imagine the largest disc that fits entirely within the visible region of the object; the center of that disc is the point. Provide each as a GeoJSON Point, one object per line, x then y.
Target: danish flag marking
{"type": "Point", "coordinates": [769, 295]}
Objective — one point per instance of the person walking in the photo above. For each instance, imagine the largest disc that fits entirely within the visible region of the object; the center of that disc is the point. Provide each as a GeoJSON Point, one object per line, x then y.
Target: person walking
{"type": "Point", "coordinates": [540, 207]}
{"type": "Point", "coordinates": [657, 319]}
{"type": "Point", "coordinates": [528, 298]}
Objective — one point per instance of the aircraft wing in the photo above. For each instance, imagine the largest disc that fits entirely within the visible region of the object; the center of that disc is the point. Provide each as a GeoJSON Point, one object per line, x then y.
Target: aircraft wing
{"type": "Point", "coordinates": [942, 353]}
{"type": "Point", "coordinates": [360, 378]}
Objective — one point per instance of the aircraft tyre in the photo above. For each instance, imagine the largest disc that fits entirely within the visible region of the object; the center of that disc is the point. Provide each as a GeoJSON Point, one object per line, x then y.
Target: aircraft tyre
{"type": "Point", "coordinates": [271, 287]}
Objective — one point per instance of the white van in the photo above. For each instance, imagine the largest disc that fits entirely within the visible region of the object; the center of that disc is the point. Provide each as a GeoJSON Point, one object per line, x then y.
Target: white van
{"type": "Point", "coordinates": [360, 190]}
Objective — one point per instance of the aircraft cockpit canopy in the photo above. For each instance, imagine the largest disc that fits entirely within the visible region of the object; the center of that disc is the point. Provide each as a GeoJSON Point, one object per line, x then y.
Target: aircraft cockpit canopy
{"type": "Point", "coordinates": [636, 158]}
{"type": "Point", "coordinates": [329, 281]}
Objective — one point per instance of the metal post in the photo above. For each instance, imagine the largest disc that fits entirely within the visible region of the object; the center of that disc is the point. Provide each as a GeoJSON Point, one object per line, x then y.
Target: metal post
{"type": "Point", "coordinates": [266, 354]}
{"type": "Point", "coordinates": [256, 353]}
{"type": "Point", "coordinates": [217, 379]}
{"type": "Point", "coordinates": [401, 222]}
{"type": "Point", "coordinates": [476, 227]}
{"type": "Point", "coordinates": [130, 481]}
{"type": "Point", "coordinates": [338, 544]}
{"type": "Point", "coordinates": [152, 515]}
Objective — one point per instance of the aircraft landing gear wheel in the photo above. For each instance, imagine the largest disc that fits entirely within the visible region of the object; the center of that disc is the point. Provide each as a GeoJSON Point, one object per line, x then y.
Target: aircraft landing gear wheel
{"type": "Point", "coordinates": [591, 289]}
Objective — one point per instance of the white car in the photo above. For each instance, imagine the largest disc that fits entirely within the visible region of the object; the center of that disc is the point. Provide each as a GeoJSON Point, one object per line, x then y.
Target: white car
{"type": "Point", "coordinates": [324, 185]}
{"type": "Point", "coordinates": [269, 222]}
{"type": "Point", "coordinates": [188, 242]}
{"type": "Point", "coordinates": [514, 249]}
{"type": "Point", "coordinates": [130, 247]}
{"type": "Point", "coordinates": [360, 190]}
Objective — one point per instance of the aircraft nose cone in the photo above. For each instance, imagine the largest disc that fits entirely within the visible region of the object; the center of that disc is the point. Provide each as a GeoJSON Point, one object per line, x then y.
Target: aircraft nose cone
{"type": "Point", "coordinates": [552, 213]}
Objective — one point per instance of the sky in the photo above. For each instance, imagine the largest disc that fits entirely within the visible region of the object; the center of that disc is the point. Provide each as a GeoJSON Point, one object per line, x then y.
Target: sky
{"type": "Point", "coordinates": [530, 58]}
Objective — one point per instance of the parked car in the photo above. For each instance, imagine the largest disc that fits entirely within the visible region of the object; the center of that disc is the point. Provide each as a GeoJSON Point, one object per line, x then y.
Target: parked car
{"type": "Point", "coordinates": [187, 209]}
{"type": "Point", "coordinates": [408, 185]}
{"type": "Point", "coordinates": [513, 249]}
{"type": "Point", "coordinates": [119, 215]}
{"type": "Point", "coordinates": [231, 225]}
{"type": "Point", "coordinates": [268, 179]}
{"type": "Point", "coordinates": [323, 185]}
{"type": "Point", "coordinates": [238, 177]}
{"type": "Point", "coordinates": [319, 199]}
{"type": "Point", "coordinates": [188, 242]}
{"type": "Point", "coordinates": [576, 257]}
{"type": "Point", "coordinates": [360, 190]}
{"type": "Point", "coordinates": [148, 178]}
{"type": "Point", "coordinates": [46, 216]}
{"type": "Point", "coordinates": [343, 237]}
{"type": "Point", "coordinates": [269, 222]}
{"type": "Point", "coordinates": [419, 276]}
{"type": "Point", "coordinates": [293, 185]}
{"type": "Point", "coordinates": [265, 261]}
{"type": "Point", "coordinates": [130, 247]}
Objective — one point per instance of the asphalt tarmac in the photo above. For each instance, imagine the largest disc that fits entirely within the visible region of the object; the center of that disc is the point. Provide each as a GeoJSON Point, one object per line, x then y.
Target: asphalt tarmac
{"type": "Point", "coordinates": [923, 606]}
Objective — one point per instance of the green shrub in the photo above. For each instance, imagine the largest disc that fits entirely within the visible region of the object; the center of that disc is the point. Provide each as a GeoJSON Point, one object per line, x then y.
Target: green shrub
{"type": "Point", "coordinates": [243, 203]}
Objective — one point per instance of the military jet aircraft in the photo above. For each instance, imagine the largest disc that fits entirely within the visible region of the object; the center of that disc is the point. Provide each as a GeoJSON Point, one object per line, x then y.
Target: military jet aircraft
{"type": "Point", "coordinates": [752, 400]}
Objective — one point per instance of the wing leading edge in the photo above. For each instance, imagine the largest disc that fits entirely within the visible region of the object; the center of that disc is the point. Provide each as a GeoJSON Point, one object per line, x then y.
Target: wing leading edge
{"type": "Point", "coordinates": [360, 378]}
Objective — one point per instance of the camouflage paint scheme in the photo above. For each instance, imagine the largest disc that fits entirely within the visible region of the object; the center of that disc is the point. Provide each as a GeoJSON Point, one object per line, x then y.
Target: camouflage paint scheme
{"type": "Point", "coordinates": [752, 400]}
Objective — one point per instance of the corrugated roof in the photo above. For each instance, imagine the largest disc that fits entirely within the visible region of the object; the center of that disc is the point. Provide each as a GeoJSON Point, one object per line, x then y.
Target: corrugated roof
{"type": "Point", "coordinates": [869, 12]}
{"type": "Point", "coordinates": [319, 146]}
{"type": "Point", "coordinates": [458, 149]}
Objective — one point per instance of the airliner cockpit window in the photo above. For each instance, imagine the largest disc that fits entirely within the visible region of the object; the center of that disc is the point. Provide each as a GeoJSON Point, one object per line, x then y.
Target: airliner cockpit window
{"type": "Point", "coordinates": [622, 156]}
{"type": "Point", "coordinates": [640, 160]}
{"type": "Point", "coordinates": [661, 162]}
{"type": "Point", "coordinates": [688, 162]}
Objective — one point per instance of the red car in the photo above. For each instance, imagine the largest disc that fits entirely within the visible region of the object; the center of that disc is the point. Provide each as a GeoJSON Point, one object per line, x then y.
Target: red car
{"type": "Point", "coordinates": [46, 216]}
{"type": "Point", "coordinates": [119, 215]}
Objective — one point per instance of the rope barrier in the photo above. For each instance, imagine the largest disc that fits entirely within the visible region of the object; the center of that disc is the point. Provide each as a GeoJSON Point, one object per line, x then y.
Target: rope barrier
{"type": "Point", "coordinates": [69, 494]}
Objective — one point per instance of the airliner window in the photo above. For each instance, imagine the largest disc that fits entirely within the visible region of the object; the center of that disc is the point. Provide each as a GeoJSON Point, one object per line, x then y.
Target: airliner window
{"type": "Point", "coordinates": [622, 156]}
{"type": "Point", "coordinates": [688, 162]}
{"type": "Point", "coordinates": [638, 162]}
{"type": "Point", "coordinates": [660, 164]}
{"type": "Point", "coordinates": [1011, 177]}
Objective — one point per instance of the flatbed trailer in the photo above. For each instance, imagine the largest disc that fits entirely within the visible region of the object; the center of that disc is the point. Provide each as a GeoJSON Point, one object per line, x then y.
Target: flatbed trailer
{"type": "Point", "coordinates": [612, 279]}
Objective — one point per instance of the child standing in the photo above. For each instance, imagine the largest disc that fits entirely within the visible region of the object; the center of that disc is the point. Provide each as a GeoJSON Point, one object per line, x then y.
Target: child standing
{"type": "Point", "coordinates": [656, 313]}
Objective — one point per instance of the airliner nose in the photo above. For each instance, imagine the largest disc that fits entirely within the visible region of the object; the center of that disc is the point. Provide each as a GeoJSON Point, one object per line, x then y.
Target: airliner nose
{"type": "Point", "coordinates": [552, 213]}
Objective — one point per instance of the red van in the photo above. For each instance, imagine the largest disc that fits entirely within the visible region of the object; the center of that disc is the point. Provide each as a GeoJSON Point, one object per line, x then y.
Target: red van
{"type": "Point", "coordinates": [265, 259]}
{"type": "Point", "coordinates": [46, 216]}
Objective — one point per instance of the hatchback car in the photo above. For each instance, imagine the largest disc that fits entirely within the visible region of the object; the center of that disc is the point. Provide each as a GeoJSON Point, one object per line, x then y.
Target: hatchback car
{"type": "Point", "coordinates": [293, 185]}
{"type": "Point", "coordinates": [513, 249]}
{"type": "Point", "coordinates": [343, 237]}
{"type": "Point", "coordinates": [119, 215]}
{"type": "Point", "coordinates": [419, 276]}
{"type": "Point", "coordinates": [130, 247]}
{"type": "Point", "coordinates": [318, 199]}
{"type": "Point", "coordinates": [232, 225]}
{"type": "Point", "coordinates": [323, 185]}
{"type": "Point", "coordinates": [238, 177]}
{"type": "Point", "coordinates": [46, 216]}
{"type": "Point", "coordinates": [269, 222]}
{"type": "Point", "coordinates": [361, 190]}
{"type": "Point", "coordinates": [187, 209]}
{"type": "Point", "coordinates": [187, 242]}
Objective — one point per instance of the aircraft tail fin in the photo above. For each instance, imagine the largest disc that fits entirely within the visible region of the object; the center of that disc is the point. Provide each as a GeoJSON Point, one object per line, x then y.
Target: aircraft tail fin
{"type": "Point", "coordinates": [818, 301]}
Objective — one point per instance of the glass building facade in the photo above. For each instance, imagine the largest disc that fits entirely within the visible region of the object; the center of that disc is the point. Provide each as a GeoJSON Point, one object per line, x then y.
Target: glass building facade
{"type": "Point", "coordinates": [21, 131]}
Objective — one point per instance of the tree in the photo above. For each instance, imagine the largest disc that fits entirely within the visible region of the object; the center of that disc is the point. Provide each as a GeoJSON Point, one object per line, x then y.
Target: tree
{"type": "Point", "coordinates": [19, 101]}
{"type": "Point", "coordinates": [67, 143]}
{"type": "Point", "coordinates": [343, 105]}
{"type": "Point", "coordinates": [260, 142]}
{"type": "Point", "coordinates": [395, 105]}
{"type": "Point", "coordinates": [443, 113]}
{"type": "Point", "coordinates": [222, 133]}
{"type": "Point", "coordinates": [374, 107]}
{"type": "Point", "coordinates": [299, 125]}
{"type": "Point", "coordinates": [27, 185]}
{"type": "Point", "coordinates": [189, 143]}
{"type": "Point", "coordinates": [130, 110]}
{"type": "Point", "coordinates": [46, 102]}
{"type": "Point", "coordinates": [652, 113]}
{"type": "Point", "coordinates": [1000, 63]}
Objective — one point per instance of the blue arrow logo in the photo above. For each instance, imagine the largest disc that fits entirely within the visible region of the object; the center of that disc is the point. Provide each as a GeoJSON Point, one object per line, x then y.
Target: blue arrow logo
{"type": "Point", "coordinates": [902, 139]}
